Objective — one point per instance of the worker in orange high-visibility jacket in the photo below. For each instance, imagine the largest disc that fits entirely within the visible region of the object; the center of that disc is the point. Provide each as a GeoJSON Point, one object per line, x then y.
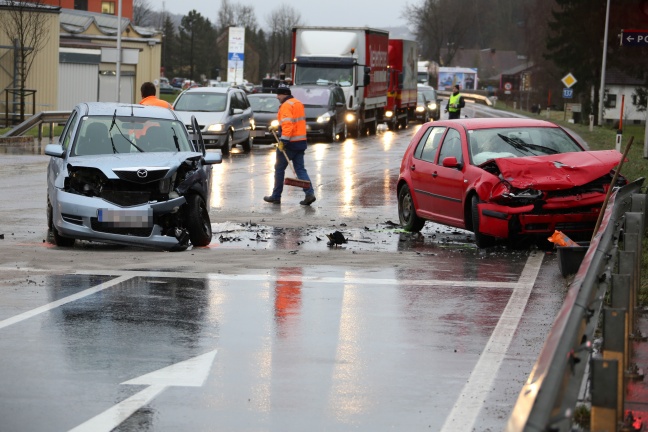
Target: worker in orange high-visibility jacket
{"type": "Point", "coordinates": [148, 96]}
{"type": "Point", "coordinates": [292, 121]}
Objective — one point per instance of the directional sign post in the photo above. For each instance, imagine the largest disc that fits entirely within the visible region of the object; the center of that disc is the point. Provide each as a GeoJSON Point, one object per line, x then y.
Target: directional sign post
{"type": "Point", "coordinates": [634, 37]}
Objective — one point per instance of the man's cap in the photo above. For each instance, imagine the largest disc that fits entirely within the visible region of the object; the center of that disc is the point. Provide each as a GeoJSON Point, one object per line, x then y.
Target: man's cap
{"type": "Point", "coordinates": [283, 89]}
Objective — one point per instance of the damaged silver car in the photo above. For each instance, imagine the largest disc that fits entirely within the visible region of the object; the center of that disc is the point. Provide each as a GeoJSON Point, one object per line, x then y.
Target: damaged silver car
{"type": "Point", "coordinates": [131, 175]}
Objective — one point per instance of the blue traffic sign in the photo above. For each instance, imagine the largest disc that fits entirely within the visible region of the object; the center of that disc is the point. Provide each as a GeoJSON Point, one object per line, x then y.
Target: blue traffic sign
{"type": "Point", "coordinates": [568, 93]}
{"type": "Point", "coordinates": [634, 37]}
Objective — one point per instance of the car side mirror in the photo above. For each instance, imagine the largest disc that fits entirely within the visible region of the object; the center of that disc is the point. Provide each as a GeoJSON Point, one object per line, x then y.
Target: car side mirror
{"type": "Point", "coordinates": [215, 157]}
{"type": "Point", "coordinates": [339, 104]}
{"type": "Point", "coordinates": [451, 162]}
{"type": "Point", "coordinates": [54, 150]}
{"type": "Point", "coordinates": [237, 111]}
{"type": "Point", "coordinates": [367, 76]}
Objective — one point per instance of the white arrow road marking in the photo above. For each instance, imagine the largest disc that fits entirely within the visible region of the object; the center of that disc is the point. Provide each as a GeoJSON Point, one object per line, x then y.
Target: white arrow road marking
{"type": "Point", "coordinates": [189, 373]}
{"type": "Point", "coordinates": [472, 398]}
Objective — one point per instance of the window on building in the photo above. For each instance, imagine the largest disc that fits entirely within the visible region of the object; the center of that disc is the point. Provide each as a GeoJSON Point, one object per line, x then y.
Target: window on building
{"type": "Point", "coordinates": [108, 7]}
{"type": "Point", "coordinates": [81, 4]}
{"type": "Point", "coordinates": [611, 101]}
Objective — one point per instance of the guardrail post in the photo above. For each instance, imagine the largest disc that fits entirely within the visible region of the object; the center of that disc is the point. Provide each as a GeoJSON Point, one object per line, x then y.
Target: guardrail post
{"type": "Point", "coordinates": [639, 206]}
{"type": "Point", "coordinates": [621, 299]}
{"type": "Point", "coordinates": [614, 332]}
{"type": "Point", "coordinates": [627, 259]}
{"type": "Point", "coordinates": [604, 375]}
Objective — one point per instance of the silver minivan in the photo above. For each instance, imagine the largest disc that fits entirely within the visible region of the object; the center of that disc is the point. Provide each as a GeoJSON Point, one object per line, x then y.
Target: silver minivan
{"type": "Point", "coordinates": [223, 113]}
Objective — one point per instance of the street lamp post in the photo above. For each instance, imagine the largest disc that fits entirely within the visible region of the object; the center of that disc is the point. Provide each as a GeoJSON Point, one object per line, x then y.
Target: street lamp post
{"type": "Point", "coordinates": [605, 42]}
{"type": "Point", "coordinates": [118, 64]}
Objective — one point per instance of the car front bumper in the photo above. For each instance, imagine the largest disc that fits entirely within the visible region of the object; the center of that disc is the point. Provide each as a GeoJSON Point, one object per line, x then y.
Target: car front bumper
{"type": "Point", "coordinates": [77, 216]}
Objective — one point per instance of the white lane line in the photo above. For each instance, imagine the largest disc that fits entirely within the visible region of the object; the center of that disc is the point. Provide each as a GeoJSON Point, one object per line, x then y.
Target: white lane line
{"type": "Point", "coordinates": [473, 395]}
{"type": "Point", "coordinates": [48, 307]}
{"type": "Point", "coordinates": [311, 279]}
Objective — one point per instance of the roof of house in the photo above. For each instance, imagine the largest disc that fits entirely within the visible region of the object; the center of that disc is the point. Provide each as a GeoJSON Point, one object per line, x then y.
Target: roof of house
{"type": "Point", "coordinates": [76, 22]}
{"type": "Point", "coordinates": [615, 76]}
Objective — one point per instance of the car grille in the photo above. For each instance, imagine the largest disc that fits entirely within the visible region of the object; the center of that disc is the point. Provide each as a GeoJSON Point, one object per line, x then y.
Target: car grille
{"type": "Point", "coordinates": [76, 220]}
{"type": "Point", "coordinates": [108, 228]}
{"type": "Point", "coordinates": [141, 175]}
{"type": "Point", "coordinates": [126, 198]}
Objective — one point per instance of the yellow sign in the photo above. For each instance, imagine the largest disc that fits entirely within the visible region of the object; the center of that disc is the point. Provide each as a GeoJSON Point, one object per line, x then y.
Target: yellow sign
{"type": "Point", "coordinates": [569, 80]}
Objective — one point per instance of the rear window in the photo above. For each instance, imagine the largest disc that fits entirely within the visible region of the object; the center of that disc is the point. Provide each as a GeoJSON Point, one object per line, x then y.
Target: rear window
{"type": "Point", "coordinates": [202, 102]}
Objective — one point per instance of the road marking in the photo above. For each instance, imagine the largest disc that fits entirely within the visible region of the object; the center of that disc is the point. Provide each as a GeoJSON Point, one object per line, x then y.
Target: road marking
{"type": "Point", "coordinates": [188, 373]}
{"type": "Point", "coordinates": [472, 397]}
{"type": "Point", "coordinates": [48, 307]}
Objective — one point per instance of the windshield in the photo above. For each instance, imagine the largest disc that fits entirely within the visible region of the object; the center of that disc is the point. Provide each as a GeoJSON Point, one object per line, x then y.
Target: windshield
{"type": "Point", "coordinates": [324, 75]}
{"type": "Point", "coordinates": [312, 96]}
{"type": "Point", "coordinates": [201, 102]}
{"type": "Point", "coordinates": [486, 144]}
{"type": "Point", "coordinates": [268, 104]}
{"type": "Point", "coordinates": [98, 135]}
{"type": "Point", "coordinates": [430, 94]}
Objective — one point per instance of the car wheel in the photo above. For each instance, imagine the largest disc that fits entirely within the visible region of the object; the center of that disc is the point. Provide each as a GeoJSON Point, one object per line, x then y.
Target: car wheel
{"type": "Point", "coordinates": [57, 238]}
{"type": "Point", "coordinates": [344, 133]}
{"type": "Point", "coordinates": [247, 145]}
{"type": "Point", "coordinates": [481, 240]}
{"type": "Point", "coordinates": [392, 124]}
{"type": "Point", "coordinates": [407, 212]}
{"type": "Point", "coordinates": [332, 132]}
{"type": "Point", "coordinates": [358, 128]}
{"type": "Point", "coordinates": [372, 127]}
{"type": "Point", "coordinates": [198, 223]}
{"type": "Point", "coordinates": [227, 145]}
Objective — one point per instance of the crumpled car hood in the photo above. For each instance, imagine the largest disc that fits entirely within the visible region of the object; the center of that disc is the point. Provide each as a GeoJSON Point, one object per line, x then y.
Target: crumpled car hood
{"type": "Point", "coordinates": [106, 163]}
{"type": "Point", "coordinates": [559, 171]}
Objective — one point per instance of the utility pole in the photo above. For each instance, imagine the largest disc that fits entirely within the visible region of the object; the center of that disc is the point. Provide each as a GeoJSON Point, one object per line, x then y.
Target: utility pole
{"type": "Point", "coordinates": [605, 43]}
{"type": "Point", "coordinates": [118, 63]}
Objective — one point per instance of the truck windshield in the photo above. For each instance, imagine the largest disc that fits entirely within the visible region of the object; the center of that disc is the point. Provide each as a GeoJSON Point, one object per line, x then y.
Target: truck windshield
{"type": "Point", "coordinates": [324, 75]}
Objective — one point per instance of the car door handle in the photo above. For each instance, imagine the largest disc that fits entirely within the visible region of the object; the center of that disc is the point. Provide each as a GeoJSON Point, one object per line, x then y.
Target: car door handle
{"type": "Point", "coordinates": [413, 167]}
{"type": "Point", "coordinates": [434, 174]}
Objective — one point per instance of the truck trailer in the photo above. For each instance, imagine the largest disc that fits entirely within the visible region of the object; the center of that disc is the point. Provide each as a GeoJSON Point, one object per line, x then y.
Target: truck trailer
{"type": "Point", "coordinates": [355, 58]}
{"type": "Point", "coordinates": [402, 85]}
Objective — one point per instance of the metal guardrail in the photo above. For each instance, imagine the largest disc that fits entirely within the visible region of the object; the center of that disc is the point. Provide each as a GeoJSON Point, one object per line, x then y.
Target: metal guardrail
{"type": "Point", "coordinates": [472, 97]}
{"type": "Point", "coordinates": [548, 399]}
{"type": "Point", "coordinates": [50, 117]}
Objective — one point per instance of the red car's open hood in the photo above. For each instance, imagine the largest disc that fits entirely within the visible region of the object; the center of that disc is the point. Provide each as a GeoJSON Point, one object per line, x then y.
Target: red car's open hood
{"type": "Point", "coordinates": [559, 171]}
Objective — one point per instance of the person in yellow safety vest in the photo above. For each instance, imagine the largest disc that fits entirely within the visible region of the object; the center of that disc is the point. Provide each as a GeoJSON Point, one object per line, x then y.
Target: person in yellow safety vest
{"type": "Point", "coordinates": [148, 96]}
{"type": "Point", "coordinates": [455, 103]}
{"type": "Point", "coordinates": [292, 123]}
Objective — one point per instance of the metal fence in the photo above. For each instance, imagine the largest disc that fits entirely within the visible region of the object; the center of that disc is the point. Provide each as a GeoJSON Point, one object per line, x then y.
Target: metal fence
{"type": "Point", "coordinates": [606, 287]}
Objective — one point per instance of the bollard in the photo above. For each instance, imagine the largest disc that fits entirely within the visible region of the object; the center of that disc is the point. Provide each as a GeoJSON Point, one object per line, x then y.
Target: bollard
{"type": "Point", "coordinates": [604, 376]}
{"type": "Point", "coordinates": [620, 299]}
{"type": "Point", "coordinates": [614, 329]}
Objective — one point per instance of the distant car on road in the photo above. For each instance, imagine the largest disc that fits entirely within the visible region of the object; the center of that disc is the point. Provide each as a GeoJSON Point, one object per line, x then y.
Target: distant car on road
{"type": "Point", "coordinates": [433, 101]}
{"type": "Point", "coordinates": [502, 178]}
{"type": "Point", "coordinates": [264, 108]}
{"type": "Point", "coordinates": [224, 116]}
{"type": "Point", "coordinates": [326, 110]}
{"type": "Point", "coordinates": [131, 175]}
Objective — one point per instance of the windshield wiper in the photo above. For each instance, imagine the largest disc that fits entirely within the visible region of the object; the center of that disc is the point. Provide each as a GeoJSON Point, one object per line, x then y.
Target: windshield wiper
{"type": "Point", "coordinates": [545, 149]}
{"type": "Point", "coordinates": [114, 123]}
{"type": "Point", "coordinates": [175, 138]}
{"type": "Point", "coordinates": [516, 143]}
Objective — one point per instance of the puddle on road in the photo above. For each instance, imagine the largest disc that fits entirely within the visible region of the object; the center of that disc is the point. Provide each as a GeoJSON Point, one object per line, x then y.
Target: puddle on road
{"type": "Point", "coordinates": [24, 147]}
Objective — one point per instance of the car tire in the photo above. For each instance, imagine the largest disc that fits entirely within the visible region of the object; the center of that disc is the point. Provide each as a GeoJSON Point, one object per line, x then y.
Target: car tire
{"type": "Point", "coordinates": [227, 145]}
{"type": "Point", "coordinates": [332, 132]}
{"type": "Point", "coordinates": [407, 212]}
{"type": "Point", "coordinates": [481, 240]}
{"type": "Point", "coordinates": [247, 145]}
{"type": "Point", "coordinates": [356, 132]}
{"type": "Point", "coordinates": [57, 238]}
{"type": "Point", "coordinates": [372, 127]}
{"type": "Point", "coordinates": [198, 223]}
{"type": "Point", "coordinates": [344, 133]}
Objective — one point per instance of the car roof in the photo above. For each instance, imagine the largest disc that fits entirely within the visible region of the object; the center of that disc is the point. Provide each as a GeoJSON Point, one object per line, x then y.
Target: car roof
{"type": "Point", "coordinates": [254, 95]}
{"type": "Point", "coordinates": [212, 90]}
{"type": "Point", "coordinates": [122, 109]}
{"type": "Point", "coordinates": [488, 123]}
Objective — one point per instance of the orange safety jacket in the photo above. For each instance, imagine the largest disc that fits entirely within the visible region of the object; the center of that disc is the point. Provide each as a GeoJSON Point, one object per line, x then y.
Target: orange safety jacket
{"type": "Point", "coordinates": [152, 100]}
{"type": "Point", "coordinates": [292, 119]}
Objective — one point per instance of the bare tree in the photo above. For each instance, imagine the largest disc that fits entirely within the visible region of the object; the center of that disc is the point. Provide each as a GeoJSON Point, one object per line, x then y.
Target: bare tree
{"type": "Point", "coordinates": [25, 23]}
{"type": "Point", "coordinates": [236, 15]}
{"type": "Point", "coordinates": [281, 21]}
{"type": "Point", "coordinates": [143, 14]}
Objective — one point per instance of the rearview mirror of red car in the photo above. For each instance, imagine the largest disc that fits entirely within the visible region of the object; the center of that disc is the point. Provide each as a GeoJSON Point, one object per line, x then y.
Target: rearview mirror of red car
{"type": "Point", "coordinates": [451, 162]}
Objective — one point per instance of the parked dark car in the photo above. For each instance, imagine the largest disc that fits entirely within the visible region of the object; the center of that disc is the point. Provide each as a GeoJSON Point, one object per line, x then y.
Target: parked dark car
{"type": "Point", "coordinates": [325, 110]}
{"type": "Point", "coordinates": [502, 178]}
{"type": "Point", "coordinates": [166, 88]}
{"type": "Point", "coordinates": [433, 101]}
{"type": "Point", "coordinates": [131, 175]}
{"type": "Point", "coordinates": [264, 111]}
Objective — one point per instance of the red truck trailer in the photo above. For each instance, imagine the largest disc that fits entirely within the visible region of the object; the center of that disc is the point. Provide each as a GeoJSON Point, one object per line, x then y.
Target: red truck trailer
{"type": "Point", "coordinates": [402, 83]}
{"type": "Point", "coordinates": [355, 58]}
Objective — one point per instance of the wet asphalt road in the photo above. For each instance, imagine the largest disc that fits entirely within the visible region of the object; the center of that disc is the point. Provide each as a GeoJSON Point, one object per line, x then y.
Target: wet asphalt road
{"type": "Point", "coordinates": [268, 328]}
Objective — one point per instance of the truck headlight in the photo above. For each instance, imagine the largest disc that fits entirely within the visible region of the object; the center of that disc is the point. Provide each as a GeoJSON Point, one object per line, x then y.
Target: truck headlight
{"type": "Point", "coordinates": [389, 114]}
{"type": "Point", "coordinates": [218, 127]}
{"type": "Point", "coordinates": [350, 118]}
{"type": "Point", "coordinates": [324, 118]}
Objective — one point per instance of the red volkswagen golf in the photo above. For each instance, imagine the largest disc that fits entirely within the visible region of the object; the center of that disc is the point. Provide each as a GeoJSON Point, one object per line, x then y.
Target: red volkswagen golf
{"type": "Point", "coordinates": [503, 178]}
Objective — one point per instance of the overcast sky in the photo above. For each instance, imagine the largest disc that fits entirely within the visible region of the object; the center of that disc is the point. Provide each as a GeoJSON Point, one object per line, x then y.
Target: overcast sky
{"type": "Point", "coordinates": [346, 13]}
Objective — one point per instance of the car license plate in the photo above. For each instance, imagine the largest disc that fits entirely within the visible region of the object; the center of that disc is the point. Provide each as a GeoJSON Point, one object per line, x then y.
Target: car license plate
{"type": "Point", "coordinates": [122, 218]}
{"type": "Point", "coordinates": [258, 133]}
